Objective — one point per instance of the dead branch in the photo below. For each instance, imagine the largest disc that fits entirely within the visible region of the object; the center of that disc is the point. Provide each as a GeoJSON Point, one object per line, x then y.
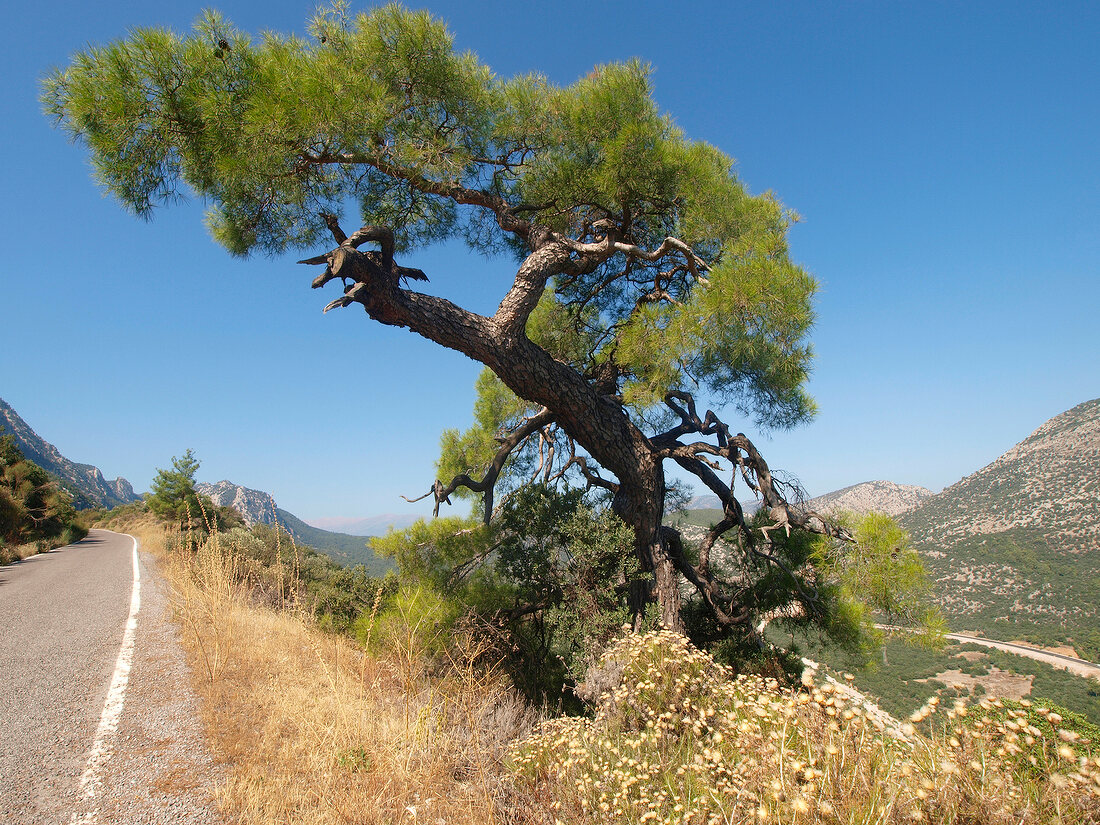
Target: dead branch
{"type": "Point", "coordinates": [486, 484]}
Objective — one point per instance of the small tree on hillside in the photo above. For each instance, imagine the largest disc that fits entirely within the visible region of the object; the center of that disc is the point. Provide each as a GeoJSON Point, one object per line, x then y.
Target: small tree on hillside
{"type": "Point", "coordinates": [644, 271]}
{"type": "Point", "coordinates": [33, 506]}
{"type": "Point", "coordinates": [173, 496]}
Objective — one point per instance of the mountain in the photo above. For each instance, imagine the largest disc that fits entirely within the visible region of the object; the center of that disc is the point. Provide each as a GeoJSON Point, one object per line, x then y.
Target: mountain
{"type": "Point", "coordinates": [1015, 547]}
{"type": "Point", "coordinates": [708, 502]}
{"type": "Point", "coordinates": [1049, 481]}
{"type": "Point", "coordinates": [84, 482]}
{"type": "Point", "coordinates": [712, 502]}
{"type": "Point", "coordinates": [881, 496]}
{"type": "Point", "coordinates": [347, 550]}
{"type": "Point", "coordinates": [256, 506]}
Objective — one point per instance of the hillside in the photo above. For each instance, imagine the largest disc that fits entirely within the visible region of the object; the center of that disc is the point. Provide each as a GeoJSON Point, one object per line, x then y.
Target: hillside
{"type": "Point", "coordinates": [880, 496]}
{"type": "Point", "coordinates": [345, 549]}
{"type": "Point", "coordinates": [256, 506]}
{"type": "Point", "coordinates": [1015, 547]}
{"type": "Point", "coordinates": [84, 482]}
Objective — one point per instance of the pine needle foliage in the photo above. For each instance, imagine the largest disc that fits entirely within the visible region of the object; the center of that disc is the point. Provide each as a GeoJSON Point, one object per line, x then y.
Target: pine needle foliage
{"type": "Point", "coordinates": [379, 116]}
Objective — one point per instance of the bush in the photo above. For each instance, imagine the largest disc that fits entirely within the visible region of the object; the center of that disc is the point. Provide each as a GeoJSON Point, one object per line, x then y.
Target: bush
{"type": "Point", "coordinates": [73, 533]}
{"type": "Point", "coordinates": [416, 623]}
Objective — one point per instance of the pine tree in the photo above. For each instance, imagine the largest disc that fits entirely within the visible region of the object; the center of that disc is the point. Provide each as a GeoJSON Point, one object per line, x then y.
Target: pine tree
{"type": "Point", "coordinates": [172, 496]}
{"type": "Point", "coordinates": [646, 274]}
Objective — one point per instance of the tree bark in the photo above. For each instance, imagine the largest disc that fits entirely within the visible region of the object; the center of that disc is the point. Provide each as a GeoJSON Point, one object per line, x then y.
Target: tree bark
{"type": "Point", "coordinates": [596, 421]}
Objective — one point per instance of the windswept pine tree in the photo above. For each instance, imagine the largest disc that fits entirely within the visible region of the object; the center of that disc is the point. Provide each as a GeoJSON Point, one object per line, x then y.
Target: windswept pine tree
{"type": "Point", "coordinates": [646, 274]}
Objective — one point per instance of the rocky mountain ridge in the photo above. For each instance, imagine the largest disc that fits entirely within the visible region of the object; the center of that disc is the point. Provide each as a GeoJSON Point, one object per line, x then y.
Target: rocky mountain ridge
{"type": "Point", "coordinates": [258, 507]}
{"type": "Point", "coordinates": [1048, 481]}
{"type": "Point", "coordinates": [255, 506]}
{"type": "Point", "coordinates": [887, 497]}
{"type": "Point", "coordinates": [84, 482]}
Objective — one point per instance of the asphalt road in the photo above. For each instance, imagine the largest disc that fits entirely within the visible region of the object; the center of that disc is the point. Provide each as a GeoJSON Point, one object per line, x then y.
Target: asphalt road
{"type": "Point", "coordinates": [1082, 667]}
{"type": "Point", "coordinates": [62, 619]}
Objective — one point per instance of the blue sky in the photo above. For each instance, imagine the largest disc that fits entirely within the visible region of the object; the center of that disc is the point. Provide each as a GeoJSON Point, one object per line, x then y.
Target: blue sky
{"type": "Point", "coordinates": [943, 157]}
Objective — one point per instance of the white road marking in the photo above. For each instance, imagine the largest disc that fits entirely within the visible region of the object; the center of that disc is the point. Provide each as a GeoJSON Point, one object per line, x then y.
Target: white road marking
{"type": "Point", "coordinates": [103, 744]}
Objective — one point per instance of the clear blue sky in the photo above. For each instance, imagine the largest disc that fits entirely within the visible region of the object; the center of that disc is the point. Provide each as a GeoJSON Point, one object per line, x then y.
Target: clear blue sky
{"type": "Point", "coordinates": [944, 158]}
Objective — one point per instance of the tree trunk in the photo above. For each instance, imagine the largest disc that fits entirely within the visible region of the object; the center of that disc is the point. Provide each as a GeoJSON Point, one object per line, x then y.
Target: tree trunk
{"type": "Point", "coordinates": [642, 507]}
{"type": "Point", "coordinates": [596, 421]}
{"type": "Point", "coordinates": [602, 427]}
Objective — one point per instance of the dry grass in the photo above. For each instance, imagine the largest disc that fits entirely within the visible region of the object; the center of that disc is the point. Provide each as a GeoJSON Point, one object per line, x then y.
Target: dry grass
{"type": "Point", "coordinates": [18, 552]}
{"type": "Point", "coordinates": [315, 730]}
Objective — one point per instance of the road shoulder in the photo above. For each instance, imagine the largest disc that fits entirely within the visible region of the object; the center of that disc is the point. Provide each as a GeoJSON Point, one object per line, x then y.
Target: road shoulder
{"type": "Point", "coordinates": [162, 770]}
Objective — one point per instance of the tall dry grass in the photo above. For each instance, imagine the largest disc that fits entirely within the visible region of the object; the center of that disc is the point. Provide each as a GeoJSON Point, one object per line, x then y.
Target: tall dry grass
{"type": "Point", "coordinates": [18, 552]}
{"type": "Point", "coordinates": [315, 730]}
{"type": "Point", "coordinates": [679, 739]}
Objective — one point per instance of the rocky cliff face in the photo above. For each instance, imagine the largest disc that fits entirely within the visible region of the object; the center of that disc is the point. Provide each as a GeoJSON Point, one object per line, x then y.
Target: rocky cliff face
{"type": "Point", "coordinates": [123, 489]}
{"type": "Point", "coordinates": [255, 506]}
{"type": "Point", "coordinates": [83, 481]}
{"type": "Point", "coordinates": [880, 496]}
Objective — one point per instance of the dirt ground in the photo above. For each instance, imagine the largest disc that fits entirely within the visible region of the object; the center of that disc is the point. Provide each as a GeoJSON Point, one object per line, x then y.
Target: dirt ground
{"type": "Point", "coordinates": [998, 683]}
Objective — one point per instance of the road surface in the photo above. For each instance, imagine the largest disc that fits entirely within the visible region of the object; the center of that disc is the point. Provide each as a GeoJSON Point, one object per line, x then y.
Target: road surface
{"type": "Point", "coordinates": [67, 754]}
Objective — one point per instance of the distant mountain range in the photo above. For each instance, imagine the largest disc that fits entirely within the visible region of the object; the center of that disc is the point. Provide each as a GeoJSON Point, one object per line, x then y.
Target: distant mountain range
{"type": "Point", "coordinates": [373, 526]}
{"type": "Point", "coordinates": [84, 482]}
{"type": "Point", "coordinates": [879, 496]}
{"type": "Point", "coordinates": [90, 489]}
{"type": "Point", "coordinates": [712, 502]}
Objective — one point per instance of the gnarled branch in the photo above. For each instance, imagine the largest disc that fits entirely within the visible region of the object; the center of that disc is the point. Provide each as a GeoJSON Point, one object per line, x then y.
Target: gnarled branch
{"type": "Point", "coordinates": [487, 483]}
{"type": "Point", "coordinates": [743, 455]}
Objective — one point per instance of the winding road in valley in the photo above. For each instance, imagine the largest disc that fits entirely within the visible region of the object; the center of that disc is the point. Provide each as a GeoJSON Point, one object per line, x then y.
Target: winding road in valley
{"type": "Point", "coordinates": [99, 723]}
{"type": "Point", "coordinates": [1082, 667]}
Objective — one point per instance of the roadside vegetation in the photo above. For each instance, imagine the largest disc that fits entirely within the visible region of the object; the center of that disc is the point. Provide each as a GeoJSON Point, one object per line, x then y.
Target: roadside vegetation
{"type": "Point", "coordinates": [410, 712]}
{"type": "Point", "coordinates": [36, 515]}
